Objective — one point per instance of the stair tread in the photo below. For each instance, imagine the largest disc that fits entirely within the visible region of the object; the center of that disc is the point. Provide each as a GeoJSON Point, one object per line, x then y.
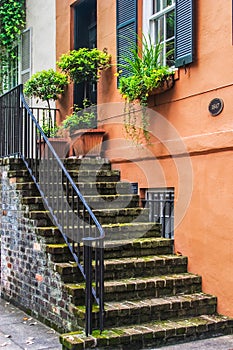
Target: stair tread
{"type": "Point", "coordinates": [112, 306]}
{"type": "Point", "coordinates": [154, 332]}
{"type": "Point", "coordinates": [114, 244]}
{"type": "Point", "coordinates": [140, 280]}
{"type": "Point", "coordinates": [147, 258]}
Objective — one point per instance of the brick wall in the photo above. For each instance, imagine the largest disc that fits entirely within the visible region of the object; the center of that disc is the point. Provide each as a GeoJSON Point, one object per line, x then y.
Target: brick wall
{"type": "Point", "coordinates": [28, 278]}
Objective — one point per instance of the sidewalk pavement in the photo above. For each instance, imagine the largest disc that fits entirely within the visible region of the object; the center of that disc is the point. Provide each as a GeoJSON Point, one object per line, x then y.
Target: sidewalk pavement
{"type": "Point", "coordinates": [18, 331]}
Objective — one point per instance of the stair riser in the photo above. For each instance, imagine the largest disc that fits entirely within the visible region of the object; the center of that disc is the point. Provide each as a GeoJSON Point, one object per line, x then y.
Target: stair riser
{"type": "Point", "coordinates": [106, 189]}
{"type": "Point", "coordinates": [139, 252]}
{"type": "Point", "coordinates": [132, 271]}
{"type": "Point", "coordinates": [104, 204]}
{"type": "Point", "coordinates": [147, 314]}
{"type": "Point", "coordinates": [90, 178]}
{"type": "Point", "coordinates": [76, 164]}
{"type": "Point", "coordinates": [136, 292]}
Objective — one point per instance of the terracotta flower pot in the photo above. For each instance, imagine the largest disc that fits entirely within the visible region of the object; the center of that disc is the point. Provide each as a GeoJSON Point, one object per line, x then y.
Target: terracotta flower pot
{"type": "Point", "coordinates": [60, 145]}
{"type": "Point", "coordinates": [87, 142]}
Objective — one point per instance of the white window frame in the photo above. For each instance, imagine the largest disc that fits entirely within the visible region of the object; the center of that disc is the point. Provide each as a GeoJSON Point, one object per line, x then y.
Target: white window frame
{"type": "Point", "coordinates": [149, 19]}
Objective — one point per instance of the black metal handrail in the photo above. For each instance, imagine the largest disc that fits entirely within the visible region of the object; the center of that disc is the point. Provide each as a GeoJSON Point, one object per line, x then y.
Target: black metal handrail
{"type": "Point", "coordinates": [22, 136]}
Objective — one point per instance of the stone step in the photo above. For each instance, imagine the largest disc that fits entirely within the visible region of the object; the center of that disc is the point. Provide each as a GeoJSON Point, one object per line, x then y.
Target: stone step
{"type": "Point", "coordinates": [144, 266]}
{"type": "Point", "coordinates": [121, 216]}
{"type": "Point", "coordinates": [129, 248]}
{"type": "Point", "coordinates": [87, 164]}
{"type": "Point", "coordinates": [21, 175]}
{"type": "Point", "coordinates": [137, 288]}
{"type": "Point", "coordinates": [110, 216]}
{"type": "Point", "coordinates": [51, 235]}
{"type": "Point", "coordinates": [96, 202]}
{"type": "Point", "coordinates": [13, 163]}
{"type": "Point", "coordinates": [27, 189]}
{"type": "Point", "coordinates": [129, 312]}
{"type": "Point", "coordinates": [133, 230]}
{"type": "Point", "coordinates": [41, 218]}
{"type": "Point", "coordinates": [59, 253]}
{"type": "Point", "coordinates": [68, 271]}
{"type": "Point", "coordinates": [125, 268]}
{"type": "Point", "coordinates": [138, 247]}
{"type": "Point", "coordinates": [104, 188]}
{"type": "Point", "coordinates": [101, 175]}
{"type": "Point", "coordinates": [151, 334]}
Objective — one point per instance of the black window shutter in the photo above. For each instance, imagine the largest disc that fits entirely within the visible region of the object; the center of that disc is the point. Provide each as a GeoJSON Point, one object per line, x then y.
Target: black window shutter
{"type": "Point", "coordinates": [126, 28]}
{"type": "Point", "coordinates": [184, 50]}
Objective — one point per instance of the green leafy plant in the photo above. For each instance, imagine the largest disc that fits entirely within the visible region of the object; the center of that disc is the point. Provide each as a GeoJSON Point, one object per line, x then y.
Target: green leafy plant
{"type": "Point", "coordinates": [12, 21]}
{"type": "Point", "coordinates": [143, 73]}
{"type": "Point", "coordinates": [80, 118]}
{"type": "Point", "coordinates": [84, 65]}
{"type": "Point", "coordinates": [50, 130]}
{"type": "Point", "coordinates": [46, 85]}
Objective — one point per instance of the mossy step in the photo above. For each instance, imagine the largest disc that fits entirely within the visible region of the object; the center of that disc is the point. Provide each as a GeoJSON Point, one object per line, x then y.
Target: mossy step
{"type": "Point", "coordinates": [117, 201]}
{"type": "Point", "coordinates": [96, 202]}
{"type": "Point", "coordinates": [140, 311]}
{"type": "Point", "coordinates": [138, 247]}
{"type": "Point", "coordinates": [108, 188]}
{"type": "Point", "coordinates": [118, 216]}
{"type": "Point", "coordinates": [68, 271]}
{"type": "Point", "coordinates": [59, 252]}
{"type": "Point", "coordinates": [21, 175]}
{"type": "Point", "coordinates": [52, 235]}
{"type": "Point", "coordinates": [87, 163]}
{"type": "Point", "coordinates": [136, 288]}
{"type": "Point", "coordinates": [13, 163]}
{"type": "Point", "coordinates": [132, 267]}
{"type": "Point", "coordinates": [95, 175]}
{"type": "Point", "coordinates": [42, 217]}
{"type": "Point", "coordinates": [152, 334]}
{"type": "Point", "coordinates": [126, 268]}
{"type": "Point", "coordinates": [134, 230]}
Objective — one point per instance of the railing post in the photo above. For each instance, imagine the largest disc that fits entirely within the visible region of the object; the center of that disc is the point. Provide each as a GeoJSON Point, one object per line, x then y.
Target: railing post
{"type": "Point", "coordinates": [100, 281]}
{"type": "Point", "coordinates": [88, 294]}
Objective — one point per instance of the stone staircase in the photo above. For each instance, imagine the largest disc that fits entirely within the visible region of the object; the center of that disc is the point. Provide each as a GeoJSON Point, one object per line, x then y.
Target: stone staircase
{"type": "Point", "coordinates": [150, 298]}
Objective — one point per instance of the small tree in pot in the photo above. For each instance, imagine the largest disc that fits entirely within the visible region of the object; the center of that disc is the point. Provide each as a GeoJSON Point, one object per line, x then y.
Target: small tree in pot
{"type": "Point", "coordinates": [48, 85]}
{"type": "Point", "coordinates": [84, 65]}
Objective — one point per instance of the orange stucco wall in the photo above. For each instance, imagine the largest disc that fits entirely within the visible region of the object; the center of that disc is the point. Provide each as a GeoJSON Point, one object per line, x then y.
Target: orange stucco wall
{"type": "Point", "coordinates": [190, 150]}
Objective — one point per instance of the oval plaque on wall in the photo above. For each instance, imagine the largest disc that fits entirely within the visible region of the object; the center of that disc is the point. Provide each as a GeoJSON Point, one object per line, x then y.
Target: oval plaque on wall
{"type": "Point", "coordinates": [216, 106]}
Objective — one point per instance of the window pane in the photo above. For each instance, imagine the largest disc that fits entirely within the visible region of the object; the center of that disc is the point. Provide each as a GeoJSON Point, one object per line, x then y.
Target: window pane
{"type": "Point", "coordinates": [157, 6]}
{"type": "Point", "coordinates": [170, 52]}
{"type": "Point", "coordinates": [159, 30]}
{"type": "Point", "coordinates": [170, 24]}
{"type": "Point", "coordinates": [167, 3]}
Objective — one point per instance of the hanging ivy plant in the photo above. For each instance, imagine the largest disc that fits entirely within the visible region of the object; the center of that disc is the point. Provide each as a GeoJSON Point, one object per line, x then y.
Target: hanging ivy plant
{"type": "Point", "coordinates": [12, 21]}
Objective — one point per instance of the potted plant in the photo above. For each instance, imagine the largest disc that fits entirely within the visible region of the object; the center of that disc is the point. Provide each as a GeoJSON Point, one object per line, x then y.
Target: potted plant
{"type": "Point", "coordinates": [86, 139]}
{"type": "Point", "coordinates": [84, 66]}
{"type": "Point", "coordinates": [58, 139]}
{"type": "Point", "coordinates": [144, 75]}
{"type": "Point", "coordinates": [49, 85]}
{"type": "Point", "coordinates": [46, 85]}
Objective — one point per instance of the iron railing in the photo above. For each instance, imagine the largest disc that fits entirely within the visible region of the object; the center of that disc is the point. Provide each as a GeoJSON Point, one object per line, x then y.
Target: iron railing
{"type": "Point", "coordinates": [22, 136]}
{"type": "Point", "coordinates": [161, 209]}
{"type": "Point", "coordinates": [47, 118]}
